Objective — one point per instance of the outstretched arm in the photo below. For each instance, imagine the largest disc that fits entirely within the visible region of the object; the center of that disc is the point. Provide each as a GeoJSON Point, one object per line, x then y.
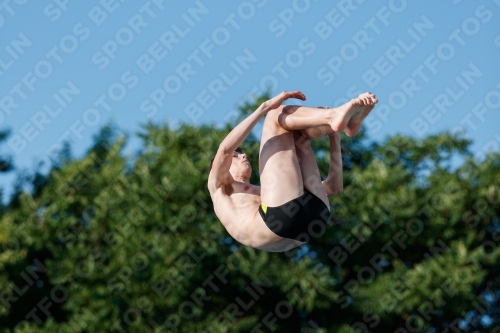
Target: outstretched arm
{"type": "Point", "coordinates": [333, 184]}
{"type": "Point", "coordinates": [222, 160]}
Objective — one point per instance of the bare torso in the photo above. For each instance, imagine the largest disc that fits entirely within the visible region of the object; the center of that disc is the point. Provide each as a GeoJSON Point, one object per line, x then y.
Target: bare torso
{"type": "Point", "coordinates": [236, 206]}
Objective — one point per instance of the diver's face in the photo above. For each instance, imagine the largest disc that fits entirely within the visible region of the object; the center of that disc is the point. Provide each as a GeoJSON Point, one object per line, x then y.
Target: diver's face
{"type": "Point", "coordinates": [240, 166]}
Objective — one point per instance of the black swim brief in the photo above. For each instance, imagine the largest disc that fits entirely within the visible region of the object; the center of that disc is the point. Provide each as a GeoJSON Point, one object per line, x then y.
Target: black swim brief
{"type": "Point", "coordinates": [301, 219]}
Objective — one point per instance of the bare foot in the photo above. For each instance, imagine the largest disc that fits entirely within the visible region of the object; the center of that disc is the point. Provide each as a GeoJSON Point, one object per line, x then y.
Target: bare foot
{"type": "Point", "coordinates": [367, 102]}
{"type": "Point", "coordinates": [349, 116]}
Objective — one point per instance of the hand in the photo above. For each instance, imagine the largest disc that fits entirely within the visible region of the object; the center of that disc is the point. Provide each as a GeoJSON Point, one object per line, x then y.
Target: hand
{"type": "Point", "coordinates": [277, 100]}
{"type": "Point", "coordinates": [334, 136]}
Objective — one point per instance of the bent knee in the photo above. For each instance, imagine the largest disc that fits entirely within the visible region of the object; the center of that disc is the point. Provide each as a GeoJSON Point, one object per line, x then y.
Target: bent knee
{"type": "Point", "coordinates": [272, 121]}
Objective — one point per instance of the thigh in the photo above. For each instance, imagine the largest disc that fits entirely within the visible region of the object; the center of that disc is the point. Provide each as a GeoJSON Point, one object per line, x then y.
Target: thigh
{"type": "Point", "coordinates": [280, 175]}
{"type": "Point", "coordinates": [309, 168]}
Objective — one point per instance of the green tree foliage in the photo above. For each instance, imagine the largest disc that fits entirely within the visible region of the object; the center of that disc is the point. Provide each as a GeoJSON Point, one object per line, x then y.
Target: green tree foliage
{"type": "Point", "coordinates": [111, 243]}
{"type": "Point", "coordinates": [6, 163]}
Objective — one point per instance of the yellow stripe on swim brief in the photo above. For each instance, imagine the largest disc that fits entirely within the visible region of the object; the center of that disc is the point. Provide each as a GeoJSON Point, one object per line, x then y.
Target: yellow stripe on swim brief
{"type": "Point", "coordinates": [264, 207]}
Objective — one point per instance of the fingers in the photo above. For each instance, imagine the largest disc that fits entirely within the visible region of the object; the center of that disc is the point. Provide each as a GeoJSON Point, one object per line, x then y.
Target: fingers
{"type": "Point", "coordinates": [335, 136]}
{"type": "Point", "coordinates": [298, 95]}
{"type": "Point", "coordinates": [293, 94]}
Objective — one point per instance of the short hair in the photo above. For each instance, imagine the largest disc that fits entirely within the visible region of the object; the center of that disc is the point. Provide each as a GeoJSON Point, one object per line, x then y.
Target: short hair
{"type": "Point", "coordinates": [238, 150]}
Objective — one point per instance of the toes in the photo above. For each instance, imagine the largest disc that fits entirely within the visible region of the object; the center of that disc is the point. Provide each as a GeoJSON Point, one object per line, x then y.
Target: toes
{"type": "Point", "coordinates": [371, 99]}
{"type": "Point", "coordinates": [368, 97]}
{"type": "Point", "coordinates": [365, 99]}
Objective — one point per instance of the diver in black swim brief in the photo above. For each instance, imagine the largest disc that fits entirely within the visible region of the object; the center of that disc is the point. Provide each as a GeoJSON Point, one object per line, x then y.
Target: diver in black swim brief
{"type": "Point", "coordinates": [292, 200]}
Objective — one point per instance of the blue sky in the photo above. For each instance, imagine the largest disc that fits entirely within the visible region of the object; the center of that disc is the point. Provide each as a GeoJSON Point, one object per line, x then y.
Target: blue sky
{"type": "Point", "coordinates": [69, 67]}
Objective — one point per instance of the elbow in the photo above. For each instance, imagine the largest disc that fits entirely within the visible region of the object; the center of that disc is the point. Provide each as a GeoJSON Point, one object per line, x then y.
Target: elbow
{"type": "Point", "coordinates": [333, 189]}
{"type": "Point", "coordinates": [334, 192]}
{"type": "Point", "coordinates": [339, 189]}
{"type": "Point", "coordinates": [223, 149]}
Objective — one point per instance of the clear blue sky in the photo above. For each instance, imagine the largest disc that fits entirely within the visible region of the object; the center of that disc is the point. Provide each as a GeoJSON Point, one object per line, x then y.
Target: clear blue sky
{"type": "Point", "coordinates": [68, 67]}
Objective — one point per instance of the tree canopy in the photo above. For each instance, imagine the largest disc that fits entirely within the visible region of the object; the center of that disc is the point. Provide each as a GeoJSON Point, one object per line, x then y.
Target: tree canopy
{"type": "Point", "coordinates": [116, 243]}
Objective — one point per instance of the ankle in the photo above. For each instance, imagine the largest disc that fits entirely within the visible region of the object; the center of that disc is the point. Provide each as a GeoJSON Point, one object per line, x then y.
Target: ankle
{"type": "Point", "coordinates": [332, 115]}
{"type": "Point", "coordinates": [337, 123]}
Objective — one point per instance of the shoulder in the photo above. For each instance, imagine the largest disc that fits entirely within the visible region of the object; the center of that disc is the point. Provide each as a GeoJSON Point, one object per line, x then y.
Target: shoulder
{"type": "Point", "coordinates": [214, 184]}
{"type": "Point", "coordinates": [216, 188]}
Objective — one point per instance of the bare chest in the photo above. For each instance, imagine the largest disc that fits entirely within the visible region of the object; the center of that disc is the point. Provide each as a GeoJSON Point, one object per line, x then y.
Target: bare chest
{"type": "Point", "coordinates": [237, 205]}
{"type": "Point", "coordinates": [237, 209]}
{"type": "Point", "coordinates": [236, 202]}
